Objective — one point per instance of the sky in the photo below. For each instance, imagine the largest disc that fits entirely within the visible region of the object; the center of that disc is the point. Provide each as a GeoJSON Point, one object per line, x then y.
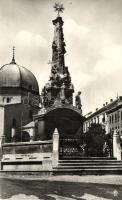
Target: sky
{"type": "Point", "coordinates": [93, 37]}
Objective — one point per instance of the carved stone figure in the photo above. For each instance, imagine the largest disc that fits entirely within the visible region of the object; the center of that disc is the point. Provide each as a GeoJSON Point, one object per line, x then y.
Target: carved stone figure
{"type": "Point", "coordinates": [78, 100]}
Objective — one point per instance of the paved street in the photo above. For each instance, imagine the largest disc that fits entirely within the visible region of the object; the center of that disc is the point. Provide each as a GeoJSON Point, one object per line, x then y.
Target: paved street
{"type": "Point", "coordinates": [62, 188]}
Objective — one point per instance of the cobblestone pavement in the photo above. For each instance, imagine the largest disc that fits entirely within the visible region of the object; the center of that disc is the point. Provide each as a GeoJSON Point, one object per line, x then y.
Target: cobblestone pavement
{"type": "Point", "coordinates": [61, 188]}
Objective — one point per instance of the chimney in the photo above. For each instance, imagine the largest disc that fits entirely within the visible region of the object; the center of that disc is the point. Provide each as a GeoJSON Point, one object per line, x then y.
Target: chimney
{"type": "Point", "coordinates": [120, 97]}
{"type": "Point", "coordinates": [96, 109]}
{"type": "Point", "coordinates": [103, 105]}
{"type": "Point", "coordinates": [111, 100]}
{"type": "Point", "coordinates": [106, 103]}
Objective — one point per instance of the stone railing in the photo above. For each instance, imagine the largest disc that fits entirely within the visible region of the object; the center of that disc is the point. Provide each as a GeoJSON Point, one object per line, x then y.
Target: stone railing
{"type": "Point", "coordinates": [27, 147]}
{"type": "Point", "coordinates": [27, 156]}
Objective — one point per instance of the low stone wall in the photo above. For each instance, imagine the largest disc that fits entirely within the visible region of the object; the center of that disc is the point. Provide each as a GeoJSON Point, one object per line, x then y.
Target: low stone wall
{"type": "Point", "coordinates": [27, 147]}
{"type": "Point", "coordinates": [34, 156]}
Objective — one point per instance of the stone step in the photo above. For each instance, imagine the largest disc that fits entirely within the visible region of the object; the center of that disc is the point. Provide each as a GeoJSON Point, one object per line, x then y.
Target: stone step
{"type": "Point", "coordinates": [86, 158]}
{"type": "Point", "coordinates": [87, 171]}
{"type": "Point", "coordinates": [90, 167]}
{"type": "Point", "coordinates": [89, 161]}
{"type": "Point", "coordinates": [92, 163]}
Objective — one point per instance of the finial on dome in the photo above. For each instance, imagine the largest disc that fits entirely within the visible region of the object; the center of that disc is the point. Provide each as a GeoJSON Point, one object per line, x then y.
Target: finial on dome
{"type": "Point", "coordinates": [13, 58]}
{"type": "Point", "coordinates": [58, 8]}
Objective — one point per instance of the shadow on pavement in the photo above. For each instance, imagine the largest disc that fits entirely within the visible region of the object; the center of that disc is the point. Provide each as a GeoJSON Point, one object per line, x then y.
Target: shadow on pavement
{"type": "Point", "coordinates": [43, 188]}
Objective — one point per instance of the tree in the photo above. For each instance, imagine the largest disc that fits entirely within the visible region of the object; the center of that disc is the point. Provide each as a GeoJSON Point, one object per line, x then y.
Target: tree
{"type": "Point", "coordinates": [95, 140]}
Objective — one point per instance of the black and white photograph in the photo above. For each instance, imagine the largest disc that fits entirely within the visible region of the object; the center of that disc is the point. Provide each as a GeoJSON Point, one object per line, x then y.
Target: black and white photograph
{"type": "Point", "coordinates": [60, 99]}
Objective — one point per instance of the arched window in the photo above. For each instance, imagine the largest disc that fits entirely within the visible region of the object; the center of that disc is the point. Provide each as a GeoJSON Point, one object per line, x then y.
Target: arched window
{"type": "Point", "coordinates": [112, 119]}
{"type": "Point", "coordinates": [115, 117]}
{"type": "Point", "coordinates": [8, 100]}
{"type": "Point", "coordinates": [98, 119]}
{"type": "Point", "coordinates": [14, 123]}
{"type": "Point", "coordinates": [103, 119]}
{"type": "Point", "coordinates": [121, 115]}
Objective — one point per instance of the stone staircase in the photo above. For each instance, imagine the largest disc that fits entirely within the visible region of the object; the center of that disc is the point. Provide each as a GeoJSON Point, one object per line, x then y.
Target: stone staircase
{"type": "Point", "coordinates": [88, 166]}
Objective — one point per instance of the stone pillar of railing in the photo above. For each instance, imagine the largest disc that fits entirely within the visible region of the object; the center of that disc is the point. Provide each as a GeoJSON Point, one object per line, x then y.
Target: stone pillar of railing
{"type": "Point", "coordinates": [55, 148]}
{"type": "Point", "coordinates": [117, 151]}
{"type": "Point", "coordinates": [2, 140]}
{"type": "Point", "coordinates": [13, 133]}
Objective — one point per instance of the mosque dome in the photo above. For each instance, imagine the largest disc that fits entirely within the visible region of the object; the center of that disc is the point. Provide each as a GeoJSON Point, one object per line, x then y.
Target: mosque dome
{"type": "Point", "coordinates": [13, 75]}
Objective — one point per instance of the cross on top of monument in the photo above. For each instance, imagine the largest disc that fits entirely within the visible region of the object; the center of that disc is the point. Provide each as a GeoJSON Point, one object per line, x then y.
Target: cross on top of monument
{"type": "Point", "coordinates": [59, 8]}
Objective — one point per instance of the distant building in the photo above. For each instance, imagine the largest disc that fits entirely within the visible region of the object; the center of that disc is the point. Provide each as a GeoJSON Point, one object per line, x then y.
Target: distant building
{"type": "Point", "coordinates": [109, 116]}
{"type": "Point", "coordinates": [115, 117]}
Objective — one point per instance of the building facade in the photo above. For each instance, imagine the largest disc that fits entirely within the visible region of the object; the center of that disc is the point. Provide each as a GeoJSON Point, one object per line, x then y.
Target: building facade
{"type": "Point", "coordinates": [109, 116]}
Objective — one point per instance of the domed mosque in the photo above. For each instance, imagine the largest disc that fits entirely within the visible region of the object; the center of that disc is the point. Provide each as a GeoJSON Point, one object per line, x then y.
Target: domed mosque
{"type": "Point", "coordinates": [19, 99]}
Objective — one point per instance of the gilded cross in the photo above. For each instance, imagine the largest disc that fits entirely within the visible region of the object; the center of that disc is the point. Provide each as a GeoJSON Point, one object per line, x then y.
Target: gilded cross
{"type": "Point", "coordinates": [58, 8]}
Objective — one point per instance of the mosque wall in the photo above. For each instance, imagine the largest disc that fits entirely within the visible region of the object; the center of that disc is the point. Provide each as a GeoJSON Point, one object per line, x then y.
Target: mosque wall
{"type": "Point", "coordinates": [17, 116]}
{"type": "Point", "coordinates": [1, 121]}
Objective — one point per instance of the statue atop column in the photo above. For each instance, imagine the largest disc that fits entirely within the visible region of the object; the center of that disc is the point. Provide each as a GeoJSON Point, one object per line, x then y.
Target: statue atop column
{"type": "Point", "coordinates": [78, 100]}
{"type": "Point", "coordinates": [59, 89]}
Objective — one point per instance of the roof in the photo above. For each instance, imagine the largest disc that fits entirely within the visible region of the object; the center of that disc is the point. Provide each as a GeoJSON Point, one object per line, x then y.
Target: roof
{"type": "Point", "coordinates": [30, 125]}
{"type": "Point", "coordinates": [13, 75]}
{"type": "Point", "coordinates": [106, 108]}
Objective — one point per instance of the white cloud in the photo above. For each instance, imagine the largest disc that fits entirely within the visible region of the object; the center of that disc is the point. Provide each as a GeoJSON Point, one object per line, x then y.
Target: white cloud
{"type": "Point", "coordinates": [27, 38]}
{"type": "Point", "coordinates": [24, 37]}
{"type": "Point", "coordinates": [74, 30]}
{"type": "Point", "coordinates": [39, 40]}
{"type": "Point", "coordinates": [110, 62]}
{"type": "Point", "coordinates": [82, 80]}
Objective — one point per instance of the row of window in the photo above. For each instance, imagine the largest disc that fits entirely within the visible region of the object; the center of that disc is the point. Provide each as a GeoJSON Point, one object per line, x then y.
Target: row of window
{"type": "Point", "coordinates": [115, 117]}
{"type": "Point", "coordinates": [95, 120]}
